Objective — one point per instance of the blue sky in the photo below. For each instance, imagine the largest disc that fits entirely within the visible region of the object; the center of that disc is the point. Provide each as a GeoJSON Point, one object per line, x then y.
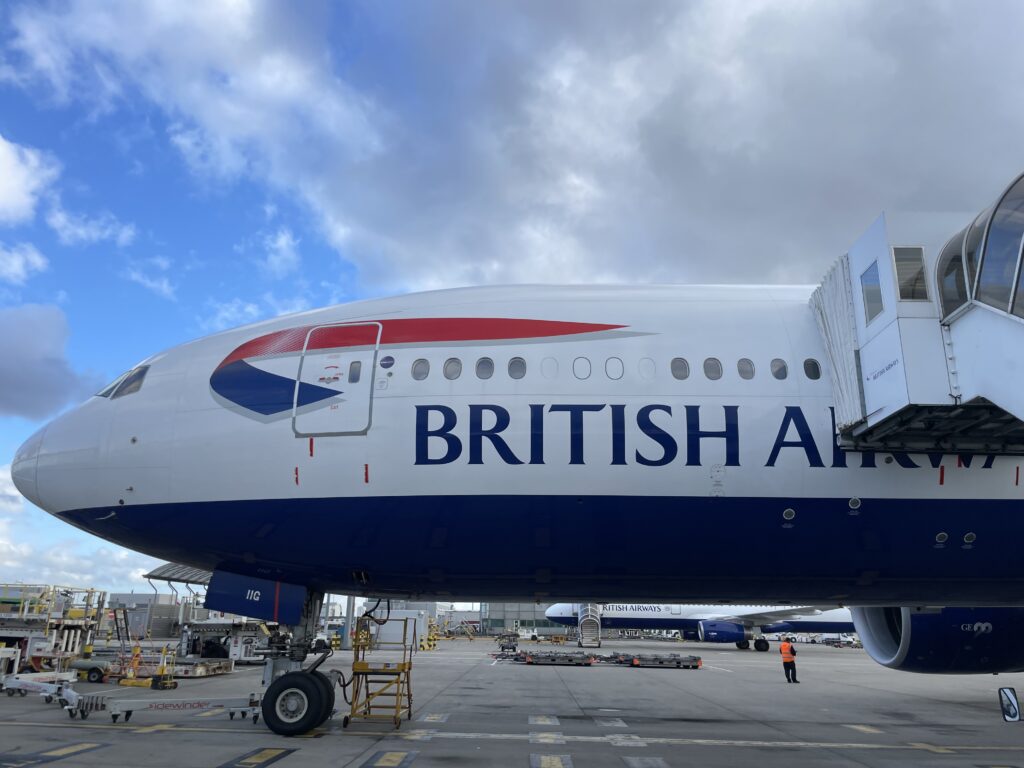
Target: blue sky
{"type": "Point", "coordinates": [171, 169]}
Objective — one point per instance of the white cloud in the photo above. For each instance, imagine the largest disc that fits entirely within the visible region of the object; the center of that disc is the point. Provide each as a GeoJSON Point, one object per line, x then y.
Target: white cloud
{"type": "Point", "coordinates": [229, 314]}
{"type": "Point", "coordinates": [700, 141]}
{"type": "Point", "coordinates": [282, 256]}
{"type": "Point", "coordinates": [10, 499]}
{"type": "Point", "coordinates": [35, 376]}
{"type": "Point", "coordinates": [19, 262]}
{"type": "Point", "coordinates": [285, 306]}
{"type": "Point", "coordinates": [78, 229]}
{"type": "Point", "coordinates": [151, 274]}
{"type": "Point", "coordinates": [74, 560]}
{"type": "Point", "coordinates": [24, 174]}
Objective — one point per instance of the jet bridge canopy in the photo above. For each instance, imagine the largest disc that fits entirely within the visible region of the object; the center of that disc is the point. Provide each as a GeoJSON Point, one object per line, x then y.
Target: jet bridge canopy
{"type": "Point", "coordinates": [924, 359]}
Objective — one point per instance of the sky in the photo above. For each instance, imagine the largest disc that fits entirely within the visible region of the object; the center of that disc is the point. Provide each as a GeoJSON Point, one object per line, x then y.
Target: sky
{"type": "Point", "coordinates": [172, 169]}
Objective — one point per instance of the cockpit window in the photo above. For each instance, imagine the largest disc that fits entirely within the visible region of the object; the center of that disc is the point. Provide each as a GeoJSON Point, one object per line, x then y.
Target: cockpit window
{"type": "Point", "coordinates": [132, 382]}
{"type": "Point", "coordinates": [108, 390]}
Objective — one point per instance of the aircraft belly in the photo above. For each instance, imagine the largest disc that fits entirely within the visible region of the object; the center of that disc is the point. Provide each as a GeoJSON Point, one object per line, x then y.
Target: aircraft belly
{"type": "Point", "coordinates": [609, 548]}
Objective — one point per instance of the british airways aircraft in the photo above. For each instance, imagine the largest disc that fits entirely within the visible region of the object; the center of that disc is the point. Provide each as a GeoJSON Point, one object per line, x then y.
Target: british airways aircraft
{"type": "Point", "coordinates": [855, 444]}
{"type": "Point", "coordinates": [739, 624]}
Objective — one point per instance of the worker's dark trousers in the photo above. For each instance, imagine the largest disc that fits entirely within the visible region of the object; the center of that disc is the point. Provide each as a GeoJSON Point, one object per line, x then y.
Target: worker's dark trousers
{"type": "Point", "coordinates": [790, 667]}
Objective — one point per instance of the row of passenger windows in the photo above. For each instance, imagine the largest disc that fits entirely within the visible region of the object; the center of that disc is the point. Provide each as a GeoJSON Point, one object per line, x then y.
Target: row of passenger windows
{"type": "Point", "coordinates": [613, 368]}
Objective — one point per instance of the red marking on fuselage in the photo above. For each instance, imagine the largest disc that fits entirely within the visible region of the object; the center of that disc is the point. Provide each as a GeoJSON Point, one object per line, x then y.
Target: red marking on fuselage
{"type": "Point", "coordinates": [311, 446]}
{"type": "Point", "coordinates": [942, 475]}
{"type": "Point", "coordinates": [277, 597]}
{"type": "Point", "coordinates": [296, 475]}
{"type": "Point", "coordinates": [1017, 481]}
{"type": "Point", "coordinates": [410, 331]}
{"type": "Point", "coordinates": [366, 473]}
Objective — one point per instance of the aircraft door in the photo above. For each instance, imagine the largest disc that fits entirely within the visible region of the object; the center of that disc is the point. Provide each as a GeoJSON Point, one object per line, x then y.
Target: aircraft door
{"type": "Point", "coordinates": [334, 386]}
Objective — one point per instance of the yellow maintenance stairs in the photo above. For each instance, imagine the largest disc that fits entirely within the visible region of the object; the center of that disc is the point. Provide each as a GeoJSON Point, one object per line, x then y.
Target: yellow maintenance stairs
{"type": "Point", "coordinates": [382, 685]}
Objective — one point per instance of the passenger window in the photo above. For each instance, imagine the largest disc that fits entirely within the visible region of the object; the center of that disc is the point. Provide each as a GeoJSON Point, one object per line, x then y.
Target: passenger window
{"type": "Point", "coordinates": [581, 368]}
{"type": "Point", "coordinates": [812, 370]}
{"type": "Point", "coordinates": [131, 383]}
{"type": "Point", "coordinates": [613, 368]}
{"type": "Point", "coordinates": [452, 368]}
{"type": "Point", "coordinates": [1002, 248]}
{"type": "Point", "coordinates": [420, 369]}
{"type": "Point", "coordinates": [516, 368]}
{"type": "Point", "coordinates": [871, 288]}
{"type": "Point", "coordinates": [484, 368]}
{"type": "Point", "coordinates": [745, 368]}
{"type": "Point", "coordinates": [647, 368]}
{"type": "Point", "coordinates": [713, 368]}
{"type": "Point", "coordinates": [680, 368]}
{"type": "Point", "coordinates": [355, 368]}
{"type": "Point", "coordinates": [779, 369]}
{"type": "Point", "coordinates": [910, 273]}
{"type": "Point", "coordinates": [549, 368]}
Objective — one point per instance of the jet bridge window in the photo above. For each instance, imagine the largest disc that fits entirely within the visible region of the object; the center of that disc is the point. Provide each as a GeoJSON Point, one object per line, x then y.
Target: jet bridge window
{"type": "Point", "coordinates": [131, 383]}
{"type": "Point", "coordinates": [950, 270]}
{"type": "Point", "coordinates": [871, 289]}
{"type": "Point", "coordinates": [910, 273]}
{"type": "Point", "coordinates": [1002, 249]}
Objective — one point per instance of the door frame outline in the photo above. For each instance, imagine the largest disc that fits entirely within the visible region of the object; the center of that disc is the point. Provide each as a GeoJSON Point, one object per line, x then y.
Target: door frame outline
{"type": "Point", "coordinates": [370, 374]}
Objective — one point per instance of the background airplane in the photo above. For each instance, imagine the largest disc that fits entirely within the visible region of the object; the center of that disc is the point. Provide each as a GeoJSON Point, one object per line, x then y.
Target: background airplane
{"type": "Point", "coordinates": [739, 624]}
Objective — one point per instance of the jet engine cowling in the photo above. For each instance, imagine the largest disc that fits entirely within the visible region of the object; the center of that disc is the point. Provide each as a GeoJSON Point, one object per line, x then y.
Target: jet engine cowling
{"type": "Point", "coordinates": [723, 632]}
{"type": "Point", "coordinates": [952, 641]}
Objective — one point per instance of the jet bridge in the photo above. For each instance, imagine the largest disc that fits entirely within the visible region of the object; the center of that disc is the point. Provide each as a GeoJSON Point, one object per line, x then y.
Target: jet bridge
{"type": "Point", "coordinates": [926, 355]}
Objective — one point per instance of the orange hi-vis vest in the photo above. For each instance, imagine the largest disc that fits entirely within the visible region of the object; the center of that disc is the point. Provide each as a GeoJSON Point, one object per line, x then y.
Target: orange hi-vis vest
{"type": "Point", "coordinates": [786, 649]}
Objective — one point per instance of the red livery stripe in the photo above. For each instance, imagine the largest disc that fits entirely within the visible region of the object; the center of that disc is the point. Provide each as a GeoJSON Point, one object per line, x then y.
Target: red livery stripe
{"type": "Point", "coordinates": [410, 331]}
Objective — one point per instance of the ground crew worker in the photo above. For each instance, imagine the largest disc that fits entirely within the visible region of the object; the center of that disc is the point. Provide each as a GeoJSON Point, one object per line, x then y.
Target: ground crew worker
{"type": "Point", "coordinates": [788, 652]}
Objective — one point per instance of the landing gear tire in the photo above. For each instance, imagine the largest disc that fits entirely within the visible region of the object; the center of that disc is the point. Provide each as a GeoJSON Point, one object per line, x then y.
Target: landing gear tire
{"type": "Point", "coordinates": [743, 645]}
{"type": "Point", "coordinates": [761, 645]}
{"type": "Point", "coordinates": [328, 689]}
{"type": "Point", "coordinates": [293, 704]}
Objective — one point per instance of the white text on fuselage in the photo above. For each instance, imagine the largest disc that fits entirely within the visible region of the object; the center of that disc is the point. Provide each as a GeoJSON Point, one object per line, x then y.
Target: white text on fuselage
{"type": "Point", "coordinates": [666, 434]}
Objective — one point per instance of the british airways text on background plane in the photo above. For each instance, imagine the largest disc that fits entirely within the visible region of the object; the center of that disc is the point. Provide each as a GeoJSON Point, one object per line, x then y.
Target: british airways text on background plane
{"type": "Point", "coordinates": [590, 443]}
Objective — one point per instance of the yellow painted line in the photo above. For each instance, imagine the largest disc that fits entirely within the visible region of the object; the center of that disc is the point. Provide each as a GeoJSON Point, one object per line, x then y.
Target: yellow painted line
{"type": "Point", "coordinates": [932, 748]}
{"type": "Point", "coordinates": [263, 756]}
{"type": "Point", "coordinates": [864, 728]}
{"type": "Point", "coordinates": [70, 750]}
{"type": "Point", "coordinates": [390, 760]}
{"type": "Point", "coordinates": [155, 728]}
{"type": "Point", "coordinates": [211, 712]}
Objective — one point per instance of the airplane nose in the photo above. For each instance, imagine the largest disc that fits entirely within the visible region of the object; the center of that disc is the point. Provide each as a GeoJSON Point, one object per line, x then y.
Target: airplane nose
{"type": "Point", "coordinates": [24, 466]}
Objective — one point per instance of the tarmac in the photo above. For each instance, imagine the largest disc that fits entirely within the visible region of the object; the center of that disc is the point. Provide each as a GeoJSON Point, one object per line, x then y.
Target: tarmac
{"type": "Point", "coordinates": [470, 709]}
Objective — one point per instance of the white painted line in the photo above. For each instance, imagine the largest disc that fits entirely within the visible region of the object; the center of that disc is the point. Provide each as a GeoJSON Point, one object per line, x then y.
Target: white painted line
{"type": "Point", "coordinates": [720, 669]}
{"type": "Point", "coordinates": [864, 728]}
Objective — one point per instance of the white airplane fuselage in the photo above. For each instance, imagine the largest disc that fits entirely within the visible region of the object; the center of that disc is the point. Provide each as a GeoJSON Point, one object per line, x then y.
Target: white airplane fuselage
{"type": "Point", "coordinates": [577, 463]}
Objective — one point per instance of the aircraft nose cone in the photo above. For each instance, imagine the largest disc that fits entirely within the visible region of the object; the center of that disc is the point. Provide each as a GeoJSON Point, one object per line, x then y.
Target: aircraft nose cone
{"type": "Point", "coordinates": [23, 468]}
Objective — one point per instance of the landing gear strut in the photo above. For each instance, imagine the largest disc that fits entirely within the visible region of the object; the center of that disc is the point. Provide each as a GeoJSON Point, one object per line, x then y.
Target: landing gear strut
{"type": "Point", "coordinates": [297, 700]}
